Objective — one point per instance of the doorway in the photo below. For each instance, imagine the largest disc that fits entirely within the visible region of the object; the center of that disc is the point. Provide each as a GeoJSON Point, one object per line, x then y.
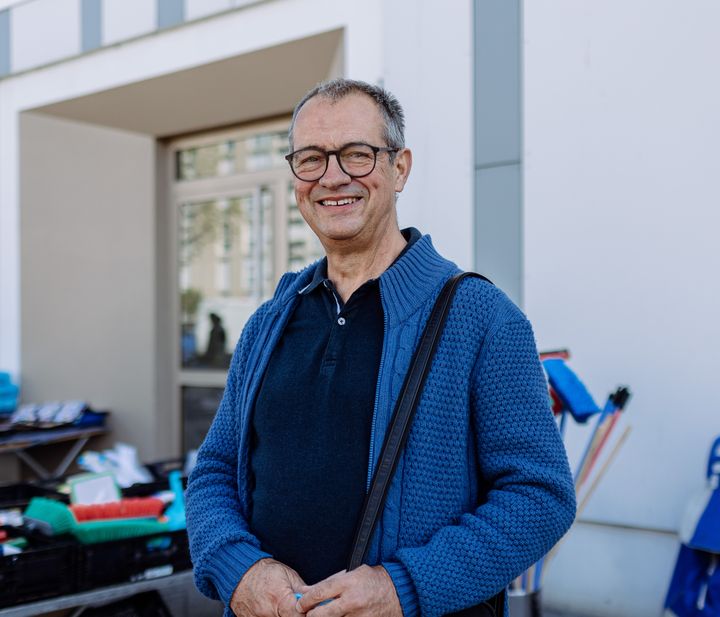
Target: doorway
{"type": "Point", "coordinates": [236, 229]}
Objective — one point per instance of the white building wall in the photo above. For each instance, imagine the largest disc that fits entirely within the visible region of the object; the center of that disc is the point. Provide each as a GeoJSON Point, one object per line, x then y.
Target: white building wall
{"type": "Point", "coordinates": [88, 296]}
{"type": "Point", "coordinates": [428, 66]}
{"type": "Point", "coordinates": [125, 19]}
{"type": "Point", "coordinates": [42, 31]}
{"type": "Point", "coordinates": [621, 260]}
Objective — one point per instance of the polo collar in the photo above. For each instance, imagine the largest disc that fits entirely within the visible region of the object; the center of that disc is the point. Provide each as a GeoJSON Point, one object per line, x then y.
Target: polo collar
{"type": "Point", "coordinates": [319, 277]}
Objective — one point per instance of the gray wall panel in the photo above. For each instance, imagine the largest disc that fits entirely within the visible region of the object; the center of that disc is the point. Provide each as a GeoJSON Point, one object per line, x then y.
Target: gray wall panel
{"type": "Point", "coordinates": [498, 143]}
{"type": "Point", "coordinates": [91, 23]}
{"type": "Point", "coordinates": [498, 237]}
{"type": "Point", "coordinates": [497, 75]}
{"type": "Point", "coordinates": [170, 13]}
{"type": "Point", "coordinates": [4, 42]}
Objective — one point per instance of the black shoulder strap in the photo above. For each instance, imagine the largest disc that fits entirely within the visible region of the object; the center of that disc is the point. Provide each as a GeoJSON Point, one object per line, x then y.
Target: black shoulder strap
{"type": "Point", "coordinates": [399, 428]}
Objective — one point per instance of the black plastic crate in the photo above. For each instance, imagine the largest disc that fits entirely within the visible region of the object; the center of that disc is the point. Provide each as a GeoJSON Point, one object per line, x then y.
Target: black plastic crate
{"type": "Point", "coordinates": [161, 469]}
{"type": "Point", "coordinates": [147, 489]}
{"type": "Point", "coordinates": [48, 567]}
{"type": "Point", "coordinates": [133, 559]}
{"type": "Point", "coordinates": [19, 495]}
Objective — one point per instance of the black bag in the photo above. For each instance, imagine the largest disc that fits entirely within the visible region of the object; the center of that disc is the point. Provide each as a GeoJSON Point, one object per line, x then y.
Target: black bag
{"type": "Point", "coordinates": [397, 434]}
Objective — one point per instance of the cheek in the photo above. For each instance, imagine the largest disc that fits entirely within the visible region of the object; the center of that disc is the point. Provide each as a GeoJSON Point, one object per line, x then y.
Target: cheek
{"type": "Point", "coordinates": [302, 193]}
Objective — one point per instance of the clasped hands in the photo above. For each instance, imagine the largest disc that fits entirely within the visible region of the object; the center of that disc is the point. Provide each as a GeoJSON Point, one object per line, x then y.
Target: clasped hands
{"type": "Point", "coordinates": [269, 589]}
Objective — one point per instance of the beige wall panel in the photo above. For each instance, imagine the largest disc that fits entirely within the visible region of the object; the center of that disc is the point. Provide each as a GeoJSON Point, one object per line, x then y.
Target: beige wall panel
{"type": "Point", "coordinates": [88, 241]}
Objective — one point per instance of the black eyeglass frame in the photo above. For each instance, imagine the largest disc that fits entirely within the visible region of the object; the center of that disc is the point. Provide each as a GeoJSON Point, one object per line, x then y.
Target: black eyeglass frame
{"type": "Point", "coordinates": [336, 153]}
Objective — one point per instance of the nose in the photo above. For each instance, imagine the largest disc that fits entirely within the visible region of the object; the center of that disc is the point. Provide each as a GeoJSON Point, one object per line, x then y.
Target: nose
{"type": "Point", "coordinates": [334, 174]}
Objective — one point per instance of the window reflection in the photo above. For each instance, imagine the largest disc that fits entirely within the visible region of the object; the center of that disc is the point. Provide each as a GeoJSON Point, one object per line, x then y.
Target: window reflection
{"type": "Point", "coordinates": [303, 245]}
{"type": "Point", "coordinates": [255, 153]}
{"type": "Point", "coordinates": [225, 271]}
{"type": "Point", "coordinates": [228, 240]}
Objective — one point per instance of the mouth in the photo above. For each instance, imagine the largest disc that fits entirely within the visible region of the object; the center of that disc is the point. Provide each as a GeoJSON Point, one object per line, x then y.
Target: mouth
{"type": "Point", "coordinates": [345, 201]}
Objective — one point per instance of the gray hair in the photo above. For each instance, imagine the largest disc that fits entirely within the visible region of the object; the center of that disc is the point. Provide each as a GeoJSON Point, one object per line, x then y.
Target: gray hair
{"type": "Point", "coordinates": [337, 89]}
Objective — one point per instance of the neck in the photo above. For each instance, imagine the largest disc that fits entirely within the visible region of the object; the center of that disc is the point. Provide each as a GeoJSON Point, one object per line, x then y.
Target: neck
{"type": "Point", "coordinates": [350, 267]}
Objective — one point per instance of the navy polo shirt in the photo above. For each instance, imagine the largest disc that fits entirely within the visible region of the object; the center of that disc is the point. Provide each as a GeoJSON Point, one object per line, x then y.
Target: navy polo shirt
{"type": "Point", "coordinates": [311, 427]}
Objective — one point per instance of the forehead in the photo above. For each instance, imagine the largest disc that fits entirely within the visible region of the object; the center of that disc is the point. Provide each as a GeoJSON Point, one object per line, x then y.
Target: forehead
{"type": "Point", "coordinates": [330, 124]}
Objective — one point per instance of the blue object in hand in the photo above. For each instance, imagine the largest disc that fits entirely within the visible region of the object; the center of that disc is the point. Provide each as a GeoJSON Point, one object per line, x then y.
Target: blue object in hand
{"type": "Point", "coordinates": [299, 595]}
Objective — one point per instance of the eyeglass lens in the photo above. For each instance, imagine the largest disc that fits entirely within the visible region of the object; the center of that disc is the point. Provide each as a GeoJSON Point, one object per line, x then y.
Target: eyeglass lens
{"type": "Point", "coordinates": [355, 160]}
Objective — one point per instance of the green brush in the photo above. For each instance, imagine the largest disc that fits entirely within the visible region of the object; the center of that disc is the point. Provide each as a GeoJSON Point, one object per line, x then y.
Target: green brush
{"type": "Point", "coordinates": [49, 516]}
{"type": "Point", "coordinates": [55, 517]}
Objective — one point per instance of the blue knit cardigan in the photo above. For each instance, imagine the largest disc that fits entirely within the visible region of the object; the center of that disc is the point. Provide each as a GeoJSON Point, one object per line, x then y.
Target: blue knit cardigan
{"type": "Point", "coordinates": [483, 488]}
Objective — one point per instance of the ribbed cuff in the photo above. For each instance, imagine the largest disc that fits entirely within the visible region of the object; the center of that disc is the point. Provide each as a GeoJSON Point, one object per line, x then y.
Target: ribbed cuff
{"type": "Point", "coordinates": [229, 564]}
{"type": "Point", "coordinates": [404, 587]}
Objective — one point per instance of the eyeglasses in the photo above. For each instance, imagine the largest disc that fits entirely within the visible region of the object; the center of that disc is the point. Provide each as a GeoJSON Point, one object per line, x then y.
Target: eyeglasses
{"type": "Point", "coordinates": [357, 160]}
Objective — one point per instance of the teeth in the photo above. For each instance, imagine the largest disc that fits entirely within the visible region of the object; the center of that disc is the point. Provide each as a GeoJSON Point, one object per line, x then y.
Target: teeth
{"type": "Point", "coordinates": [341, 202]}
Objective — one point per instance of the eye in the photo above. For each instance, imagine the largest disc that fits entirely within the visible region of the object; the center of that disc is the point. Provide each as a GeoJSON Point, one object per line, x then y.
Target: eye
{"type": "Point", "coordinates": [358, 155]}
{"type": "Point", "coordinates": [309, 158]}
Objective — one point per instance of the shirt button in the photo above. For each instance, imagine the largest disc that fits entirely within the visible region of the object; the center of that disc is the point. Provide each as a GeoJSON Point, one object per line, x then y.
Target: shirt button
{"type": "Point", "coordinates": [341, 321]}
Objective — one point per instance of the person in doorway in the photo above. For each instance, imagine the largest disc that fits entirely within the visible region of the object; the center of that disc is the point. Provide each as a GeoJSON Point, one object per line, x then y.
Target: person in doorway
{"type": "Point", "coordinates": [215, 353]}
{"type": "Point", "coordinates": [483, 488]}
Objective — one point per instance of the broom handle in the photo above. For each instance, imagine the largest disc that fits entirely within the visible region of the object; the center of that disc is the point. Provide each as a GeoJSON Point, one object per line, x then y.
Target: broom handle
{"type": "Point", "coordinates": [603, 439]}
{"type": "Point", "coordinates": [609, 407]}
{"type": "Point", "coordinates": [603, 469]}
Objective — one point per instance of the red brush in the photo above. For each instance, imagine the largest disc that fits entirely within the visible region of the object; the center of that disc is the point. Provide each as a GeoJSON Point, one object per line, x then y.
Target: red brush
{"type": "Point", "coordinates": [132, 507]}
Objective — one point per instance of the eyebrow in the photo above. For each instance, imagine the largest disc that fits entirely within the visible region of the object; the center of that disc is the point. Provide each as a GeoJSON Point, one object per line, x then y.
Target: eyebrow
{"type": "Point", "coordinates": [340, 147]}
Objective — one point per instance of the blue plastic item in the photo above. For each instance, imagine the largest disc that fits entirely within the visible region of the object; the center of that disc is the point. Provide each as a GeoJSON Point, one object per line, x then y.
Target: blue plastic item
{"type": "Point", "coordinates": [570, 390]}
{"type": "Point", "coordinates": [176, 510]}
{"type": "Point", "coordinates": [299, 595]}
{"type": "Point", "coordinates": [695, 586]}
{"type": "Point", "coordinates": [700, 527]}
{"type": "Point", "coordinates": [8, 394]}
{"type": "Point", "coordinates": [713, 468]}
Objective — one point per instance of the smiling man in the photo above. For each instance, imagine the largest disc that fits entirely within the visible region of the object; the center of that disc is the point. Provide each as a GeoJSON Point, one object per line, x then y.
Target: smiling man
{"type": "Point", "coordinates": [483, 487]}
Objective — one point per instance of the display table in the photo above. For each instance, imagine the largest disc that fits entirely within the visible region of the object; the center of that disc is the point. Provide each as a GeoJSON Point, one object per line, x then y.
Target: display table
{"type": "Point", "coordinates": [20, 443]}
{"type": "Point", "coordinates": [181, 581]}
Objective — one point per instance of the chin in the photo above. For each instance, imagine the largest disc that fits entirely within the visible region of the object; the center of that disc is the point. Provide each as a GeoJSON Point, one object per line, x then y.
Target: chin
{"type": "Point", "coordinates": [338, 235]}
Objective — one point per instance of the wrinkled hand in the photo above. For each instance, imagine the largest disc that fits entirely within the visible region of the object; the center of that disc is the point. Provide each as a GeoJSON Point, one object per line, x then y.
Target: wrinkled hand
{"type": "Point", "coordinates": [267, 590]}
{"type": "Point", "coordinates": [363, 592]}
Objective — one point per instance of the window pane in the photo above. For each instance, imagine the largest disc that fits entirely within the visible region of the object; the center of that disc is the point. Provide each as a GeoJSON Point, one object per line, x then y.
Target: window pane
{"type": "Point", "coordinates": [254, 153]}
{"type": "Point", "coordinates": [198, 411]}
{"type": "Point", "coordinates": [225, 254]}
{"type": "Point", "coordinates": [303, 245]}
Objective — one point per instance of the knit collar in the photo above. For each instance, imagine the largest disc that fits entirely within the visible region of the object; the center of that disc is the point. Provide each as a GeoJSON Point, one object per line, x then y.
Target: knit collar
{"type": "Point", "coordinates": [320, 275]}
{"type": "Point", "coordinates": [419, 274]}
{"type": "Point", "coordinates": [405, 286]}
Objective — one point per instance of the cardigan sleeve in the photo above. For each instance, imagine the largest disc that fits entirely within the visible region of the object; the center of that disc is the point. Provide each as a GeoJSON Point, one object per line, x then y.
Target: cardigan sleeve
{"type": "Point", "coordinates": [221, 545]}
{"type": "Point", "coordinates": [529, 500]}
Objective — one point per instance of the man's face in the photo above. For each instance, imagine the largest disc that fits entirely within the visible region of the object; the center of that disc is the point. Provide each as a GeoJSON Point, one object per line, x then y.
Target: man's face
{"type": "Point", "coordinates": [369, 214]}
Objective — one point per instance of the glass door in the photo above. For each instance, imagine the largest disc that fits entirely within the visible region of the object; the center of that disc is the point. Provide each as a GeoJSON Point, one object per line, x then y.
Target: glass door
{"type": "Point", "coordinates": [237, 230]}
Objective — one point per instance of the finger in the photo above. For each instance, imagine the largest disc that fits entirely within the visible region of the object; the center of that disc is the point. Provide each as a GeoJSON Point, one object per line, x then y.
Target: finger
{"type": "Point", "coordinates": [316, 594]}
{"type": "Point", "coordinates": [287, 606]}
{"type": "Point", "coordinates": [303, 589]}
{"type": "Point", "coordinates": [329, 608]}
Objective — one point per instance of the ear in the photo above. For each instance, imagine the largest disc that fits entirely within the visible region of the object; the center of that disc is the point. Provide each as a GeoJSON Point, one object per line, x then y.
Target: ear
{"type": "Point", "coordinates": [402, 165]}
